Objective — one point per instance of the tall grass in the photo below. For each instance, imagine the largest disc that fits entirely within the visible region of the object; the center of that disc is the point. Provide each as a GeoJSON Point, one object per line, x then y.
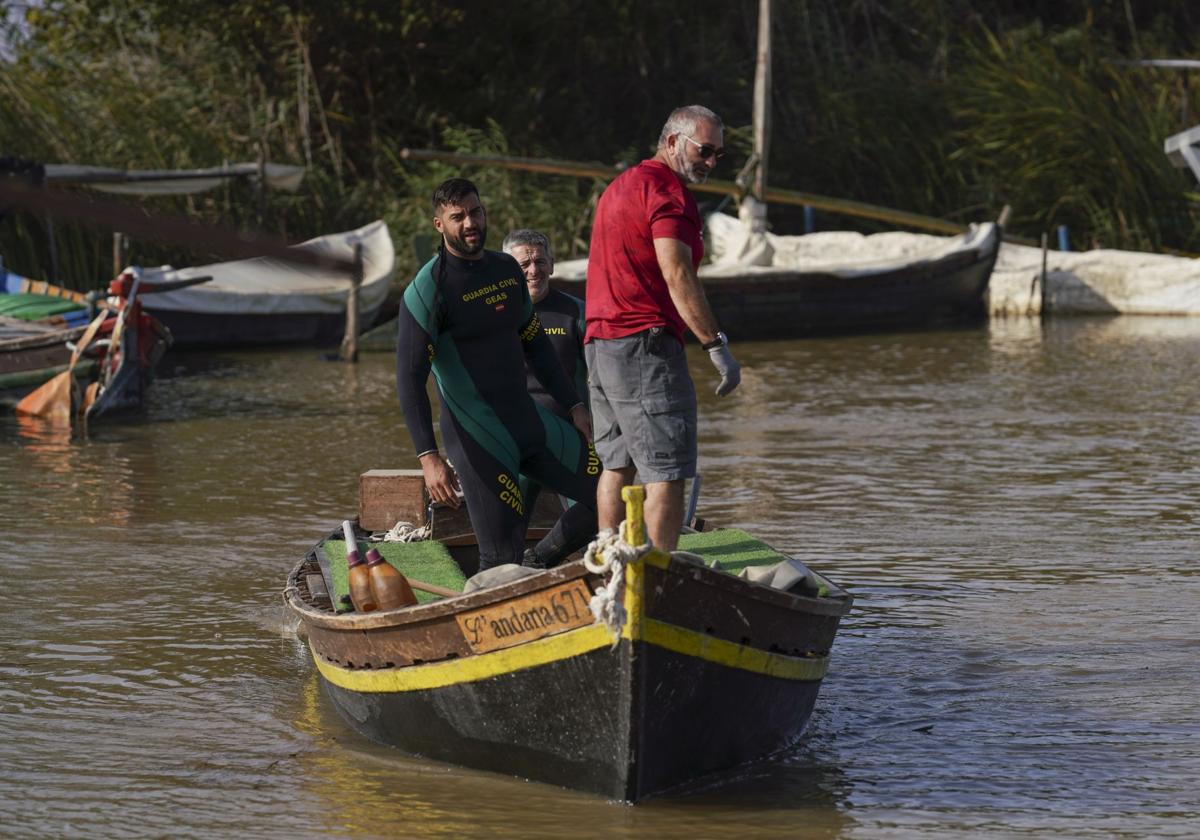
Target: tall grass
{"type": "Point", "coordinates": [911, 104]}
{"type": "Point", "coordinates": [182, 103]}
{"type": "Point", "coordinates": [1067, 136]}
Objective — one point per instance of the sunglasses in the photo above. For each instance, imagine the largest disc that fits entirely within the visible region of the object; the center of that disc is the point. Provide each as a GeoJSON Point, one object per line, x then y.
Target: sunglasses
{"type": "Point", "coordinates": [706, 150]}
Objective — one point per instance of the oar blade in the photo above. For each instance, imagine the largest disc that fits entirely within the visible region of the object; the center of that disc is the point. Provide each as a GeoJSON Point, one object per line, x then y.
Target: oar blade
{"type": "Point", "coordinates": [50, 401]}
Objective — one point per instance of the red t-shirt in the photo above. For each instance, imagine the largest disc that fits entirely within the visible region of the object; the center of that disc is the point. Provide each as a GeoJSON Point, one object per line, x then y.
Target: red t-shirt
{"type": "Point", "coordinates": [626, 292]}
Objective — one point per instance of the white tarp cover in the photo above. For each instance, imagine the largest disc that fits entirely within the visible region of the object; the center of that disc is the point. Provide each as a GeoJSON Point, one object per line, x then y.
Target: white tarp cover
{"type": "Point", "coordinates": [161, 181]}
{"type": "Point", "coordinates": [741, 247]}
{"type": "Point", "coordinates": [1099, 282]}
{"type": "Point", "coordinates": [264, 286]}
{"type": "Point", "coordinates": [1076, 282]}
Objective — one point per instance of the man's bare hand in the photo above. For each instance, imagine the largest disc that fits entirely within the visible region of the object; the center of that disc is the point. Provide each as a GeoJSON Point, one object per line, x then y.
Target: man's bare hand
{"type": "Point", "coordinates": [581, 418]}
{"type": "Point", "coordinates": [440, 480]}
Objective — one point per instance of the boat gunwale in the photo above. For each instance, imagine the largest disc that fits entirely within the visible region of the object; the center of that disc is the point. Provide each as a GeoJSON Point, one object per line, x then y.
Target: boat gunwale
{"type": "Point", "coordinates": [827, 605]}
{"type": "Point", "coordinates": [574, 570]}
{"type": "Point", "coordinates": [42, 339]}
{"type": "Point", "coordinates": [387, 619]}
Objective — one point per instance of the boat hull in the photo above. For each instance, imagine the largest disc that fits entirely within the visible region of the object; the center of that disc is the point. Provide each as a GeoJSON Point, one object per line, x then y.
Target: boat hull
{"type": "Point", "coordinates": [33, 355]}
{"type": "Point", "coordinates": [751, 303]}
{"type": "Point", "coordinates": [265, 302]}
{"type": "Point", "coordinates": [199, 330]}
{"type": "Point", "coordinates": [794, 304]}
{"type": "Point", "coordinates": [587, 724]}
{"type": "Point", "coordinates": [31, 359]}
{"type": "Point", "coordinates": [564, 722]}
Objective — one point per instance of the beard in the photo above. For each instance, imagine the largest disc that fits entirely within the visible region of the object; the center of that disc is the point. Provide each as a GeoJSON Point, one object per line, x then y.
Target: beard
{"type": "Point", "coordinates": [692, 173]}
{"type": "Point", "coordinates": [468, 247]}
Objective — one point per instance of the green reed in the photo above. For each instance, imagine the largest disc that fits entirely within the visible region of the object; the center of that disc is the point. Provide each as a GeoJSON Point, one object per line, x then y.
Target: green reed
{"type": "Point", "coordinates": [913, 104]}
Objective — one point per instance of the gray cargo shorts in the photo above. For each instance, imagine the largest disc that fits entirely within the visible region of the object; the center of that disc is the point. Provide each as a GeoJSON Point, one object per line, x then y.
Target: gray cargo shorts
{"type": "Point", "coordinates": [643, 405]}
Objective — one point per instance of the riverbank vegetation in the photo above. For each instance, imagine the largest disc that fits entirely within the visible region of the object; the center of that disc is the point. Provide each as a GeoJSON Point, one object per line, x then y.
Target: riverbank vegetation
{"type": "Point", "coordinates": [949, 108]}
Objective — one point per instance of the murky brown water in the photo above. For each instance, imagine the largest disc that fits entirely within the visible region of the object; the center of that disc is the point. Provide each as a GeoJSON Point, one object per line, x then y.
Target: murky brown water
{"type": "Point", "coordinates": [1014, 507]}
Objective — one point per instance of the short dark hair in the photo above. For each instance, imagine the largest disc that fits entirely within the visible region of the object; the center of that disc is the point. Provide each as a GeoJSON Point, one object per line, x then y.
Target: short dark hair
{"type": "Point", "coordinates": [452, 191]}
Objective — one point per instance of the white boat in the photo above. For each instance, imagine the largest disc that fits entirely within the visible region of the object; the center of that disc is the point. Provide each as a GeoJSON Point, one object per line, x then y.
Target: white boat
{"type": "Point", "coordinates": [763, 286]}
{"type": "Point", "coordinates": [265, 301]}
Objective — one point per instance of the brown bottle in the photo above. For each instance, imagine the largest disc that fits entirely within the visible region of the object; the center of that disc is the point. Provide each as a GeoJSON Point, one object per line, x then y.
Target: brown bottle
{"type": "Point", "coordinates": [356, 571]}
{"type": "Point", "coordinates": [390, 588]}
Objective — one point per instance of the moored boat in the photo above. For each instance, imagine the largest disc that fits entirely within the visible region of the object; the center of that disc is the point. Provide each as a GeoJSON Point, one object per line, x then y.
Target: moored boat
{"type": "Point", "coordinates": [108, 345]}
{"type": "Point", "coordinates": [23, 299]}
{"type": "Point", "coordinates": [763, 286]}
{"type": "Point", "coordinates": [625, 678]}
{"type": "Point", "coordinates": [265, 301]}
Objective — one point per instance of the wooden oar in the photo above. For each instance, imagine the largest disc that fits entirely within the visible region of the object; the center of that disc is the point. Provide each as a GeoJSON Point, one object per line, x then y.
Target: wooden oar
{"type": "Point", "coordinates": [51, 401]}
{"type": "Point", "coordinates": [432, 589]}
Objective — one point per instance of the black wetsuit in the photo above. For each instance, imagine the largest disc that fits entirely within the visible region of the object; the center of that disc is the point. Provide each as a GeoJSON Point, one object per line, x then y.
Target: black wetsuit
{"type": "Point", "coordinates": [563, 321]}
{"type": "Point", "coordinates": [471, 322]}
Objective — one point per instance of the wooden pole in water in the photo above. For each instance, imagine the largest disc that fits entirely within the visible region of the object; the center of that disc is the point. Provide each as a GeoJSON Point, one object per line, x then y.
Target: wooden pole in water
{"type": "Point", "coordinates": [349, 351]}
{"type": "Point", "coordinates": [762, 100]}
{"type": "Point", "coordinates": [118, 252]}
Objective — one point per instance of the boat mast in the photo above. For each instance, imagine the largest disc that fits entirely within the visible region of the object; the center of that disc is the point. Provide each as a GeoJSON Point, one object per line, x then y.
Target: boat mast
{"type": "Point", "coordinates": [762, 101]}
{"type": "Point", "coordinates": [753, 212]}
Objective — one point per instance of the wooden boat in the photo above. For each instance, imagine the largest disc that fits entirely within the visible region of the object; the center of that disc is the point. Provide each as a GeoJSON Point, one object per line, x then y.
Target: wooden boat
{"type": "Point", "coordinates": [841, 282]}
{"type": "Point", "coordinates": [121, 354]}
{"type": "Point", "coordinates": [38, 322]}
{"type": "Point", "coordinates": [23, 299]}
{"type": "Point", "coordinates": [265, 301]}
{"type": "Point", "coordinates": [703, 672]}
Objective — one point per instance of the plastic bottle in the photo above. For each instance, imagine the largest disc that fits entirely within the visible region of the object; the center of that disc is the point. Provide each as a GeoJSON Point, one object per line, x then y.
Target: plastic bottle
{"type": "Point", "coordinates": [390, 588]}
{"type": "Point", "coordinates": [356, 571]}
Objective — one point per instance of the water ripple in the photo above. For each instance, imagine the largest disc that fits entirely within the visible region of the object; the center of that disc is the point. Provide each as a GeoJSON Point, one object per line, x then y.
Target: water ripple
{"type": "Point", "coordinates": [1013, 508]}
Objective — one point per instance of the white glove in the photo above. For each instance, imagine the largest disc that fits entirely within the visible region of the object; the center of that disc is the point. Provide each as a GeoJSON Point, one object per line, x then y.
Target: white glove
{"type": "Point", "coordinates": [727, 366]}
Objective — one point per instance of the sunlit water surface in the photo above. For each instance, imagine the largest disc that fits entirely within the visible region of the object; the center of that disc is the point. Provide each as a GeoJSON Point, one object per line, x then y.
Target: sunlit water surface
{"type": "Point", "coordinates": [1014, 508]}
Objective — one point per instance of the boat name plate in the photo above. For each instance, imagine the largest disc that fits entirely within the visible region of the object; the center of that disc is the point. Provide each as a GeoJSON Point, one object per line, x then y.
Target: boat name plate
{"type": "Point", "coordinates": [541, 613]}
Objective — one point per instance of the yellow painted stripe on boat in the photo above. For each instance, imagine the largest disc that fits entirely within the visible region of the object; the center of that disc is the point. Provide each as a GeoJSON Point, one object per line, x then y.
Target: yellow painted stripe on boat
{"type": "Point", "coordinates": [577, 642]}
{"type": "Point", "coordinates": [473, 668]}
{"type": "Point", "coordinates": [701, 645]}
{"type": "Point", "coordinates": [656, 558]}
{"type": "Point", "coordinates": [731, 654]}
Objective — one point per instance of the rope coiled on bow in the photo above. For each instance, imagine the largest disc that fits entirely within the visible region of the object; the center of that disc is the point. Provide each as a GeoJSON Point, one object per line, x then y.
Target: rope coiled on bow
{"type": "Point", "coordinates": [608, 555]}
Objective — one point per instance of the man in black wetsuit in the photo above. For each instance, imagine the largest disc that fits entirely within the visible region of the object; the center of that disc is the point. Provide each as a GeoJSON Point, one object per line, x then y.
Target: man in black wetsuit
{"type": "Point", "coordinates": [467, 317]}
{"type": "Point", "coordinates": [562, 320]}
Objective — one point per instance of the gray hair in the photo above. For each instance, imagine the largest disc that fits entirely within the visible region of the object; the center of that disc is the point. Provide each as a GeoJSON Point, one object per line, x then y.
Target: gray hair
{"type": "Point", "coordinates": [531, 238]}
{"type": "Point", "coordinates": [685, 120]}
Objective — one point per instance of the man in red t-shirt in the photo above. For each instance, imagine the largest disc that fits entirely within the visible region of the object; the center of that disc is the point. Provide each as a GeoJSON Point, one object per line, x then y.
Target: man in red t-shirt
{"type": "Point", "coordinates": [642, 294]}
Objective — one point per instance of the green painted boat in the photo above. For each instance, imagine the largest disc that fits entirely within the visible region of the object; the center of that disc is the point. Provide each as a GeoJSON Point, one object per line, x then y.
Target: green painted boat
{"type": "Point", "coordinates": [41, 323]}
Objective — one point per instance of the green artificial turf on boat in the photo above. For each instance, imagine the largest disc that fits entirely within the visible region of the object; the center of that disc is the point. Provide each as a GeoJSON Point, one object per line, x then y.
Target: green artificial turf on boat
{"type": "Point", "coordinates": [427, 561]}
{"type": "Point", "coordinates": [733, 548]}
